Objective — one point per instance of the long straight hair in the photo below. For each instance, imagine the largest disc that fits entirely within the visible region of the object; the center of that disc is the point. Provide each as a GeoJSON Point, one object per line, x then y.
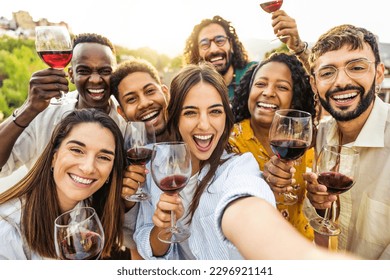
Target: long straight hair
{"type": "Point", "coordinates": [38, 191]}
{"type": "Point", "coordinates": [181, 84]}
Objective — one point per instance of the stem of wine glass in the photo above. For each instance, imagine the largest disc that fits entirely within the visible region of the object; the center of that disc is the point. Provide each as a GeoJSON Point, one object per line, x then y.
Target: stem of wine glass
{"type": "Point", "coordinates": [173, 221]}
{"type": "Point", "coordinates": [327, 214]}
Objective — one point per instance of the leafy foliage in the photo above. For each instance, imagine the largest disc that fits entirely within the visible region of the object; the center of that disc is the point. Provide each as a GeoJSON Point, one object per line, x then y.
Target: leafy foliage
{"type": "Point", "coordinates": [18, 61]}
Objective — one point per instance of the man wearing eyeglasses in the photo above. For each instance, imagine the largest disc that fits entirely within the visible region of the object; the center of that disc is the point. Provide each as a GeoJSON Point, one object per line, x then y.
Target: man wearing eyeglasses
{"type": "Point", "coordinates": [346, 74]}
{"type": "Point", "coordinates": [215, 40]}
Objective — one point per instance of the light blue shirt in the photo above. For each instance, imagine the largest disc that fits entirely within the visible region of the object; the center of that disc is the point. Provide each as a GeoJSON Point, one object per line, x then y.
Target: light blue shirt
{"type": "Point", "coordinates": [239, 176]}
{"type": "Point", "coordinates": [12, 243]}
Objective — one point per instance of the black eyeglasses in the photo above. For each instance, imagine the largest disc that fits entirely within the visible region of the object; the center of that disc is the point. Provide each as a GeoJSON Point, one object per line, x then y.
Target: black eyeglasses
{"type": "Point", "coordinates": [219, 40]}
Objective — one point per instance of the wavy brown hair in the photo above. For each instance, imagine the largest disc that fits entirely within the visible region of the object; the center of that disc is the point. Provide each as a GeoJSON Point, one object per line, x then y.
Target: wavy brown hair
{"type": "Point", "coordinates": [38, 192]}
{"type": "Point", "coordinates": [182, 83]}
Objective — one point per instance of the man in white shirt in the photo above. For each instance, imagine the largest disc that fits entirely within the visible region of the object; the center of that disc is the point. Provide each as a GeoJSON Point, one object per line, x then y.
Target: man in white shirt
{"type": "Point", "coordinates": [24, 135]}
{"type": "Point", "coordinates": [346, 74]}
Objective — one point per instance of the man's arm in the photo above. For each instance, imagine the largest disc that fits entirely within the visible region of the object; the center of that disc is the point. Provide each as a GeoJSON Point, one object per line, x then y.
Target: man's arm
{"type": "Point", "coordinates": [44, 85]}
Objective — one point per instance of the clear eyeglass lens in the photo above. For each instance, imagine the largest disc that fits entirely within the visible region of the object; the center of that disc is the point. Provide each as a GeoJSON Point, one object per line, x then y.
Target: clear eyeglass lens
{"type": "Point", "coordinates": [218, 40]}
{"type": "Point", "coordinates": [354, 69]}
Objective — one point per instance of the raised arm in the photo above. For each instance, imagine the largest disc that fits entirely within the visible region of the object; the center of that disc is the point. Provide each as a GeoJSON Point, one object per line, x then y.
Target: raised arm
{"type": "Point", "coordinates": [283, 24]}
{"type": "Point", "coordinates": [44, 85]}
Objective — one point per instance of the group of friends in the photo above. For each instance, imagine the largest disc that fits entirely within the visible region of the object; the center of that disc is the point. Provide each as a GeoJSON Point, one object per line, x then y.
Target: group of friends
{"type": "Point", "coordinates": [221, 105]}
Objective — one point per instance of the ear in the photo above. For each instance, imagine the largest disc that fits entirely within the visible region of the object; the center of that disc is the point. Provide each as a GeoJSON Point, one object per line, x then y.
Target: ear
{"type": "Point", "coordinates": [70, 73]}
{"type": "Point", "coordinates": [53, 161]}
{"type": "Point", "coordinates": [120, 112]}
{"type": "Point", "coordinates": [380, 74]}
{"type": "Point", "coordinates": [313, 84]}
{"type": "Point", "coordinates": [166, 93]}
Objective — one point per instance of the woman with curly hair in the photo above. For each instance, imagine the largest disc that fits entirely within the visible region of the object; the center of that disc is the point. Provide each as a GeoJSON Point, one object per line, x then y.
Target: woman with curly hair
{"type": "Point", "coordinates": [279, 82]}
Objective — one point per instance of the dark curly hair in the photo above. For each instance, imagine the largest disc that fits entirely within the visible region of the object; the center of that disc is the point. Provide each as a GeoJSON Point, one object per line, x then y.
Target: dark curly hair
{"type": "Point", "coordinates": [191, 51]}
{"type": "Point", "coordinates": [93, 38]}
{"type": "Point", "coordinates": [303, 96]}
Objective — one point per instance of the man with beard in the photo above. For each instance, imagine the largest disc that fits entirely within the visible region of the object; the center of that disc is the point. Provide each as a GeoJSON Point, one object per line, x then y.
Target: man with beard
{"type": "Point", "coordinates": [346, 73]}
{"type": "Point", "coordinates": [215, 40]}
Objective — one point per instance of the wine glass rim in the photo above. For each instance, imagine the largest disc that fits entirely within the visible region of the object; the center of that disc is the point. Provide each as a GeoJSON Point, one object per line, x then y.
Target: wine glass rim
{"type": "Point", "coordinates": [284, 111]}
{"type": "Point", "coordinates": [90, 216]}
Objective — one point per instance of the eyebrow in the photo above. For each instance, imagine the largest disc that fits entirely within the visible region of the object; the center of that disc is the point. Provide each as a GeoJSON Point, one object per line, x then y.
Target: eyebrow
{"type": "Point", "coordinates": [83, 145]}
{"type": "Point", "coordinates": [210, 107]}
{"type": "Point", "coordinates": [133, 92]}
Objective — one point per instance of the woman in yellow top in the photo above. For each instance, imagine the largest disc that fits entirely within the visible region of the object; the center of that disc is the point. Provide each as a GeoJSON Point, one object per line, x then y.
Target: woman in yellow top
{"type": "Point", "coordinates": [279, 82]}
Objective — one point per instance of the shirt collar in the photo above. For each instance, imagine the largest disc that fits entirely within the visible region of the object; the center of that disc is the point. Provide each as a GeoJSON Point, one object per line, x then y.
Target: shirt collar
{"type": "Point", "coordinates": [373, 131]}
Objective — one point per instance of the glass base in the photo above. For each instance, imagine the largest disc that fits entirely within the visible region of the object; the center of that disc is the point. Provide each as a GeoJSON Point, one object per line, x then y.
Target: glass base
{"type": "Point", "coordinates": [173, 235]}
{"type": "Point", "coordinates": [287, 198]}
{"type": "Point", "coordinates": [62, 101]}
{"type": "Point", "coordinates": [324, 227]}
{"type": "Point", "coordinates": [138, 197]}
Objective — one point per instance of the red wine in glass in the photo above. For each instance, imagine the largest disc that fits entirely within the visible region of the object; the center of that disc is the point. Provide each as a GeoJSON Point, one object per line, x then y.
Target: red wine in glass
{"type": "Point", "coordinates": [171, 170]}
{"type": "Point", "coordinates": [87, 248]}
{"type": "Point", "coordinates": [290, 135]}
{"type": "Point", "coordinates": [78, 234]}
{"type": "Point", "coordinates": [56, 59]}
{"type": "Point", "coordinates": [337, 168]}
{"type": "Point", "coordinates": [271, 6]}
{"type": "Point", "coordinates": [289, 149]}
{"type": "Point", "coordinates": [54, 46]}
{"type": "Point", "coordinates": [139, 156]}
{"type": "Point", "coordinates": [335, 182]}
{"type": "Point", "coordinates": [139, 138]}
{"type": "Point", "coordinates": [173, 184]}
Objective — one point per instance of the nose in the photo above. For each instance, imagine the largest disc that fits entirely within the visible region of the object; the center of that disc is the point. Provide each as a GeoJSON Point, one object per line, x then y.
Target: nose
{"type": "Point", "coordinates": [204, 122]}
{"type": "Point", "coordinates": [144, 102]}
{"type": "Point", "coordinates": [269, 91]}
{"type": "Point", "coordinates": [341, 76]}
{"type": "Point", "coordinates": [87, 166]}
{"type": "Point", "coordinates": [95, 77]}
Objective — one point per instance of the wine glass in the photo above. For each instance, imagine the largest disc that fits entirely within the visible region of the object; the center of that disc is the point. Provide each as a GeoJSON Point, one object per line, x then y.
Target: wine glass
{"type": "Point", "coordinates": [54, 46]}
{"type": "Point", "coordinates": [171, 171]}
{"type": "Point", "coordinates": [337, 168]}
{"type": "Point", "coordinates": [139, 139]}
{"type": "Point", "coordinates": [78, 234]}
{"type": "Point", "coordinates": [290, 135]}
{"type": "Point", "coordinates": [270, 7]}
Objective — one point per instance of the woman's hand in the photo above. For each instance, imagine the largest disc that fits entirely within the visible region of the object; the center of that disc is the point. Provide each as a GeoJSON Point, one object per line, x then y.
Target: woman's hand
{"type": "Point", "coordinates": [279, 175]}
{"type": "Point", "coordinates": [166, 204]}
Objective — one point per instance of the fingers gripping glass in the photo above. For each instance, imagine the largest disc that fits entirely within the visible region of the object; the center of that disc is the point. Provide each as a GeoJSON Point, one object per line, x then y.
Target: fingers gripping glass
{"type": "Point", "coordinates": [219, 40]}
{"type": "Point", "coordinates": [354, 69]}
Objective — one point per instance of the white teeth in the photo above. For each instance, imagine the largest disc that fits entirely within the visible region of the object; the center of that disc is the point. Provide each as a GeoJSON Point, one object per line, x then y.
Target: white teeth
{"type": "Point", "coordinates": [81, 180]}
{"type": "Point", "coordinates": [203, 137]}
{"type": "Point", "coordinates": [265, 105]}
{"type": "Point", "coordinates": [148, 116]}
{"type": "Point", "coordinates": [96, 90]}
{"type": "Point", "coordinates": [345, 96]}
{"type": "Point", "coordinates": [216, 58]}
